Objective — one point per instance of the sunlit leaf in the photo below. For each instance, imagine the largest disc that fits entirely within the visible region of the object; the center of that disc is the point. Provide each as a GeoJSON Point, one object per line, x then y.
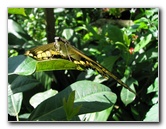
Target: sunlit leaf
{"type": "Point", "coordinates": [16, 11]}
{"type": "Point", "coordinates": [144, 41]}
{"type": "Point", "coordinates": [56, 64]}
{"type": "Point", "coordinates": [40, 97]}
{"type": "Point", "coordinates": [96, 116]}
{"type": "Point", "coordinates": [14, 104]}
{"type": "Point", "coordinates": [21, 65]}
{"type": "Point", "coordinates": [95, 97]}
{"type": "Point", "coordinates": [153, 114]}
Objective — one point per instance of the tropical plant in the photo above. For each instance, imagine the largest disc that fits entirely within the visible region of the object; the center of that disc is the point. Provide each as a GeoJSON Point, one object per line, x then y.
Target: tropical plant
{"type": "Point", "coordinates": [54, 90]}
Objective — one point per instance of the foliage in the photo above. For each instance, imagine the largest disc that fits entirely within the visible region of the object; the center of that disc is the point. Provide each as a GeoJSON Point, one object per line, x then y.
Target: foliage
{"type": "Point", "coordinates": [41, 90]}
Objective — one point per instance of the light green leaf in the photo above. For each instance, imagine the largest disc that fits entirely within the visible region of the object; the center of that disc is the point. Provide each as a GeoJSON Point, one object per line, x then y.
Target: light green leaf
{"type": "Point", "coordinates": [154, 86]}
{"type": "Point", "coordinates": [153, 114]}
{"type": "Point", "coordinates": [96, 116]}
{"type": "Point", "coordinates": [21, 65]}
{"type": "Point", "coordinates": [144, 41]}
{"type": "Point", "coordinates": [68, 33]}
{"type": "Point", "coordinates": [14, 104]}
{"type": "Point", "coordinates": [56, 64]}
{"type": "Point", "coordinates": [16, 11]}
{"type": "Point", "coordinates": [92, 96]}
{"type": "Point", "coordinates": [126, 96]}
{"type": "Point", "coordinates": [40, 97]}
{"type": "Point", "coordinates": [25, 65]}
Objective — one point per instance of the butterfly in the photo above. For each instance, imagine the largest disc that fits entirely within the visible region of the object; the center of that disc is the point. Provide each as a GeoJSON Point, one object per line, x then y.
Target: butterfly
{"type": "Point", "coordinates": [62, 48]}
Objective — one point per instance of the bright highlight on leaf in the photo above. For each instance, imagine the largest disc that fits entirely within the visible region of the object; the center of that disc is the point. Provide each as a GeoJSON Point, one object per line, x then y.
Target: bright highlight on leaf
{"type": "Point", "coordinates": [20, 11]}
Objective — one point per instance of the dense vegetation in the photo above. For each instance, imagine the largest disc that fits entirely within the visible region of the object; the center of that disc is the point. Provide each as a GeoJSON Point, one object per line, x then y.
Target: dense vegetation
{"type": "Point", "coordinates": [125, 41]}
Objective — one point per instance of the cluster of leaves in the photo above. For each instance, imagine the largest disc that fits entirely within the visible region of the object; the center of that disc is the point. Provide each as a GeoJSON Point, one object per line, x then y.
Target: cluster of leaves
{"type": "Point", "coordinates": [131, 53]}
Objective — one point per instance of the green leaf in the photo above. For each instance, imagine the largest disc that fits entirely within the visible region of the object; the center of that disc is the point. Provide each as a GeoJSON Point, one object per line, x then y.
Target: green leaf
{"type": "Point", "coordinates": [40, 97]}
{"type": "Point", "coordinates": [126, 96]}
{"type": "Point", "coordinates": [20, 11]}
{"type": "Point", "coordinates": [97, 116]}
{"type": "Point", "coordinates": [24, 117]}
{"type": "Point", "coordinates": [93, 31]}
{"type": "Point", "coordinates": [147, 55]}
{"type": "Point", "coordinates": [127, 40]}
{"type": "Point", "coordinates": [14, 104]}
{"type": "Point", "coordinates": [70, 110]}
{"type": "Point", "coordinates": [153, 114]}
{"type": "Point", "coordinates": [108, 62]}
{"type": "Point", "coordinates": [68, 33]}
{"type": "Point", "coordinates": [92, 96]}
{"type": "Point", "coordinates": [144, 41]}
{"type": "Point", "coordinates": [25, 65]}
{"type": "Point", "coordinates": [56, 64]}
{"type": "Point", "coordinates": [115, 34]}
{"type": "Point", "coordinates": [45, 78]}
{"type": "Point", "coordinates": [20, 84]}
{"type": "Point", "coordinates": [154, 86]}
{"type": "Point", "coordinates": [21, 65]}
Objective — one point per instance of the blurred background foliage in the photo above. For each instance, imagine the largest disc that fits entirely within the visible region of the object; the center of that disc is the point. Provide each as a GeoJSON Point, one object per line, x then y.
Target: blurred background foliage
{"type": "Point", "coordinates": [124, 40]}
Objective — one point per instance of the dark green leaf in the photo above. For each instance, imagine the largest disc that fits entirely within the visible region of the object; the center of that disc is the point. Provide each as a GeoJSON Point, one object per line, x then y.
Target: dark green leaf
{"type": "Point", "coordinates": [21, 84]}
{"type": "Point", "coordinates": [109, 61]}
{"type": "Point", "coordinates": [92, 96]}
{"type": "Point", "coordinates": [21, 65]}
{"type": "Point", "coordinates": [115, 34]}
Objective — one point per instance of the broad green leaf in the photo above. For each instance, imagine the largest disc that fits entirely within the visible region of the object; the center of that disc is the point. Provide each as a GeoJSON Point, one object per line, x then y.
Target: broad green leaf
{"type": "Point", "coordinates": [40, 97]}
{"type": "Point", "coordinates": [153, 87]}
{"type": "Point", "coordinates": [16, 11]}
{"type": "Point", "coordinates": [126, 96]}
{"type": "Point", "coordinates": [144, 41]}
{"type": "Point", "coordinates": [153, 114]}
{"type": "Point", "coordinates": [25, 65]}
{"type": "Point", "coordinates": [108, 62]}
{"type": "Point", "coordinates": [21, 65]}
{"type": "Point", "coordinates": [149, 54]}
{"type": "Point", "coordinates": [14, 104]}
{"type": "Point", "coordinates": [115, 34]}
{"type": "Point", "coordinates": [92, 96]}
{"type": "Point", "coordinates": [56, 64]}
{"type": "Point", "coordinates": [96, 116]}
{"type": "Point", "coordinates": [68, 33]}
{"type": "Point", "coordinates": [17, 37]}
{"type": "Point", "coordinates": [21, 84]}
{"type": "Point", "coordinates": [24, 117]}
